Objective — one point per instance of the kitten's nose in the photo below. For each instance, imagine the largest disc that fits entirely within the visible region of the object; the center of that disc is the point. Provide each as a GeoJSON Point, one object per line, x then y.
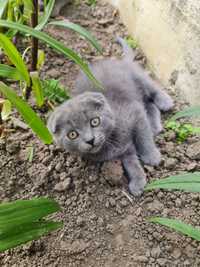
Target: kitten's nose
{"type": "Point", "coordinates": [91, 141]}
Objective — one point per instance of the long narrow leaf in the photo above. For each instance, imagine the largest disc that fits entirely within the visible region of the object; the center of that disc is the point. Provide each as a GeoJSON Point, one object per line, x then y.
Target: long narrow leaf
{"type": "Point", "coordinates": [14, 56]}
{"type": "Point", "coordinates": [37, 88]}
{"type": "Point", "coordinates": [3, 5]}
{"type": "Point", "coordinates": [31, 118]}
{"type": "Point", "coordinates": [188, 112]}
{"type": "Point", "coordinates": [58, 46]}
{"type": "Point", "coordinates": [26, 232]}
{"type": "Point", "coordinates": [25, 211]}
{"type": "Point", "coordinates": [179, 226]}
{"type": "Point", "coordinates": [10, 72]}
{"type": "Point", "coordinates": [77, 28]}
{"type": "Point", "coordinates": [45, 17]}
{"type": "Point", "coordinates": [189, 182]}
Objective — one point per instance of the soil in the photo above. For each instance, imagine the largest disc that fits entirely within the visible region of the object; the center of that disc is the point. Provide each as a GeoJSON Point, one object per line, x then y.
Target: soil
{"type": "Point", "coordinates": [103, 224]}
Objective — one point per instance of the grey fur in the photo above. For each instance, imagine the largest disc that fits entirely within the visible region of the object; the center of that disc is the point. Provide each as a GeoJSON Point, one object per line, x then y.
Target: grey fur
{"type": "Point", "coordinates": [59, 4]}
{"type": "Point", "coordinates": [129, 112]}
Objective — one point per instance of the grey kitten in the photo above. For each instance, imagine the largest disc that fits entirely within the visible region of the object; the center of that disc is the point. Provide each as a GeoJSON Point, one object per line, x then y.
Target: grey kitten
{"type": "Point", "coordinates": [117, 123]}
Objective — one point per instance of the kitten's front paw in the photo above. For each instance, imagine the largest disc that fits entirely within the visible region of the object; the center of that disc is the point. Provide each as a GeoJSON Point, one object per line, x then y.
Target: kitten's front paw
{"type": "Point", "coordinates": [136, 188]}
{"type": "Point", "coordinates": [152, 159]}
{"type": "Point", "coordinates": [164, 102]}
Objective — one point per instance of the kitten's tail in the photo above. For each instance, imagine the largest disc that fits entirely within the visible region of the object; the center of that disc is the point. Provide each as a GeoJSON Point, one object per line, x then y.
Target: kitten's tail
{"type": "Point", "coordinates": [128, 52]}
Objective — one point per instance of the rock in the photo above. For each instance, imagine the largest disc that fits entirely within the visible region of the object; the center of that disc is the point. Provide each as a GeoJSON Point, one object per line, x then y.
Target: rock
{"type": "Point", "coordinates": [176, 253]}
{"type": "Point", "coordinates": [170, 163]}
{"type": "Point", "coordinates": [13, 148]}
{"type": "Point", "coordinates": [80, 221]}
{"type": "Point", "coordinates": [112, 171]}
{"type": "Point", "coordinates": [53, 73]}
{"type": "Point", "coordinates": [162, 262]}
{"type": "Point", "coordinates": [155, 252]}
{"type": "Point", "coordinates": [112, 202]}
{"type": "Point", "coordinates": [75, 247]}
{"type": "Point", "coordinates": [19, 124]}
{"type": "Point", "coordinates": [155, 206]}
{"type": "Point", "coordinates": [62, 186]}
{"type": "Point", "coordinates": [189, 251]}
{"type": "Point", "coordinates": [193, 151]}
{"type": "Point", "coordinates": [141, 258]}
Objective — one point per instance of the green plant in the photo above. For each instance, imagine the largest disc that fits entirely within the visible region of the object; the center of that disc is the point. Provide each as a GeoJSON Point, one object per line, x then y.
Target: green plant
{"type": "Point", "coordinates": [29, 78]}
{"type": "Point", "coordinates": [23, 220]}
{"type": "Point", "coordinates": [183, 130]}
{"type": "Point", "coordinates": [54, 92]}
{"type": "Point", "coordinates": [91, 2]}
{"type": "Point", "coordinates": [189, 182]}
{"type": "Point", "coordinates": [131, 42]}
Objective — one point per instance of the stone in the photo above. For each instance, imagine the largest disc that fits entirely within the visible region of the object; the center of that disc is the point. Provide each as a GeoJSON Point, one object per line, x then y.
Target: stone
{"type": "Point", "coordinates": [176, 253]}
{"type": "Point", "coordinates": [155, 252]}
{"type": "Point", "coordinates": [170, 163]}
{"type": "Point", "coordinates": [193, 151]}
{"type": "Point", "coordinates": [155, 206]}
{"type": "Point", "coordinates": [62, 186]}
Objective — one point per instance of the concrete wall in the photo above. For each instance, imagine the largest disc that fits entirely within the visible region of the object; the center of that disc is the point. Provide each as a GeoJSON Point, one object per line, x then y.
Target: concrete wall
{"type": "Point", "coordinates": [168, 32]}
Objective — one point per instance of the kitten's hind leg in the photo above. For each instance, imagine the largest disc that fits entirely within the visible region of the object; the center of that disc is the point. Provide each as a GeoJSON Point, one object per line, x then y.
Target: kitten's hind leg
{"type": "Point", "coordinates": [152, 89]}
{"type": "Point", "coordinates": [153, 114]}
{"type": "Point", "coordinates": [134, 173]}
{"type": "Point", "coordinates": [143, 138]}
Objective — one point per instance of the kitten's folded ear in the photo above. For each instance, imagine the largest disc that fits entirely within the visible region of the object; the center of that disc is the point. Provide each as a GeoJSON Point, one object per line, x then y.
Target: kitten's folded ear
{"type": "Point", "coordinates": [52, 123]}
{"type": "Point", "coordinates": [97, 100]}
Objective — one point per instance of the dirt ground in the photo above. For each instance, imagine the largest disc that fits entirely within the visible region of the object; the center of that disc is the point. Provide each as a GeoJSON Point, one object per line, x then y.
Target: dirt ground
{"type": "Point", "coordinates": [103, 225]}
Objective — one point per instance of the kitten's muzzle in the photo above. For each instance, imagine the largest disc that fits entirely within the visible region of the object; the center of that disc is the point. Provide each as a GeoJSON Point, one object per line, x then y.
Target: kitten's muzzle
{"type": "Point", "coordinates": [91, 141]}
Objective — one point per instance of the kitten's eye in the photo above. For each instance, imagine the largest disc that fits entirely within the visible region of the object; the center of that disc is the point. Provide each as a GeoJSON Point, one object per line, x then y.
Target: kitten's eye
{"type": "Point", "coordinates": [95, 122]}
{"type": "Point", "coordinates": [72, 135]}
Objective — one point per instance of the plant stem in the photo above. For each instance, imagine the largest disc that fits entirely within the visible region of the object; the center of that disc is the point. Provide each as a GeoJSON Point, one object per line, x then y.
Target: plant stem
{"type": "Point", "coordinates": [34, 52]}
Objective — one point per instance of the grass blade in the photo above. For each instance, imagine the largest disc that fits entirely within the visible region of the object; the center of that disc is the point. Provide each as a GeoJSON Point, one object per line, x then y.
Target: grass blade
{"type": "Point", "coordinates": [10, 72]}
{"type": "Point", "coordinates": [16, 236]}
{"type": "Point", "coordinates": [77, 28]}
{"type": "Point", "coordinates": [58, 46]}
{"type": "Point", "coordinates": [37, 88]}
{"type": "Point", "coordinates": [25, 211]}
{"type": "Point", "coordinates": [3, 6]}
{"type": "Point", "coordinates": [178, 226]}
{"type": "Point", "coordinates": [6, 109]}
{"type": "Point", "coordinates": [45, 17]}
{"type": "Point", "coordinates": [31, 118]}
{"type": "Point", "coordinates": [188, 112]}
{"type": "Point", "coordinates": [14, 56]}
{"type": "Point", "coordinates": [189, 182]}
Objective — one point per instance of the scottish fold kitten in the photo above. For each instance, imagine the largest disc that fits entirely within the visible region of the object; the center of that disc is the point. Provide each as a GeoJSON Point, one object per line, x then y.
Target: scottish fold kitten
{"type": "Point", "coordinates": [116, 123]}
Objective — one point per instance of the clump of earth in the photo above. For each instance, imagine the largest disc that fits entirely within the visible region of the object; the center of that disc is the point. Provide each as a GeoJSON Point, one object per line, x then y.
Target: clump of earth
{"type": "Point", "coordinates": [103, 224]}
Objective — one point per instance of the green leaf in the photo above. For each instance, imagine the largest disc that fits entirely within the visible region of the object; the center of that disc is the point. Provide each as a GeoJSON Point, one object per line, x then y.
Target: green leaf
{"type": "Point", "coordinates": [53, 91]}
{"type": "Point", "coordinates": [16, 236]}
{"type": "Point", "coordinates": [15, 57]}
{"type": "Point", "coordinates": [37, 88]}
{"type": "Point", "coordinates": [10, 72]}
{"type": "Point", "coordinates": [45, 17]}
{"type": "Point", "coordinates": [28, 114]}
{"type": "Point", "coordinates": [6, 109]}
{"type": "Point", "coordinates": [30, 153]}
{"type": "Point", "coordinates": [24, 211]}
{"type": "Point", "coordinates": [189, 182]}
{"type": "Point", "coordinates": [179, 226]}
{"type": "Point", "coordinates": [3, 6]}
{"type": "Point", "coordinates": [41, 59]}
{"type": "Point", "coordinates": [58, 46]}
{"type": "Point", "coordinates": [77, 28]}
{"type": "Point", "coordinates": [188, 112]}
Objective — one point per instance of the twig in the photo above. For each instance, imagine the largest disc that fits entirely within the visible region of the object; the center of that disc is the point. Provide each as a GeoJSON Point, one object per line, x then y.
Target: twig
{"type": "Point", "coordinates": [128, 197]}
{"type": "Point", "coordinates": [34, 52]}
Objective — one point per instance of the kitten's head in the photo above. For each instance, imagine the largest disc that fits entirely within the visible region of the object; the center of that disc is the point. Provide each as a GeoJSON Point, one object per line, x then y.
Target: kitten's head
{"type": "Point", "coordinates": [83, 123]}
